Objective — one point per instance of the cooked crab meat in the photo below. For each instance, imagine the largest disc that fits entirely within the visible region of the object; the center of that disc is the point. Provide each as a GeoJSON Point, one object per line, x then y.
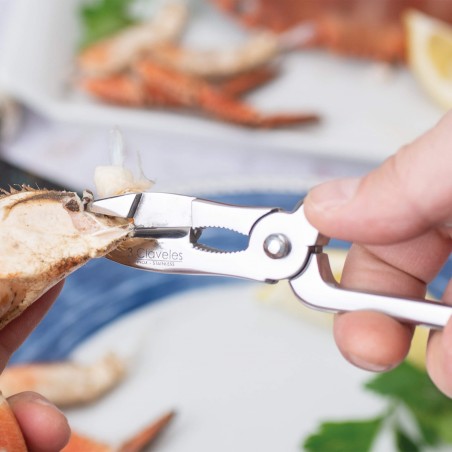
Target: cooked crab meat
{"type": "Point", "coordinates": [44, 236]}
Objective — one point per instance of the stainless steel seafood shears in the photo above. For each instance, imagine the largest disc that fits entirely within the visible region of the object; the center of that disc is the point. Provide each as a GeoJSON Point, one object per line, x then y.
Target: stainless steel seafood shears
{"type": "Point", "coordinates": [281, 245]}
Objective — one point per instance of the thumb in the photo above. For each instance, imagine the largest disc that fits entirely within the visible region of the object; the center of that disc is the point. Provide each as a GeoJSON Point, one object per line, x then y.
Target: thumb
{"type": "Point", "coordinates": [408, 194]}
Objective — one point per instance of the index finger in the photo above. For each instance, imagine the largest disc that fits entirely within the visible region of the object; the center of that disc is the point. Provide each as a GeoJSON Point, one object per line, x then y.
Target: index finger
{"type": "Point", "coordinates": [15, 332]}
{"type": "Point", "coordinates": [374, 341]}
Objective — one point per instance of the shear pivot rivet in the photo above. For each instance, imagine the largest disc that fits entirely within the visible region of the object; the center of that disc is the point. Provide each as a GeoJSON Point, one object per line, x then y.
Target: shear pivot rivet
{"type": "Point", "coordinates": [277, 246]}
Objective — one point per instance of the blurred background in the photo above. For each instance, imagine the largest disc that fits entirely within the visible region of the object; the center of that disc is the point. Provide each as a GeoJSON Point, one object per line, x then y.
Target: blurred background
{"type": "Point", "coordinates": [366, 99]}
{"type": "Point", "coordinates": [247, 101]}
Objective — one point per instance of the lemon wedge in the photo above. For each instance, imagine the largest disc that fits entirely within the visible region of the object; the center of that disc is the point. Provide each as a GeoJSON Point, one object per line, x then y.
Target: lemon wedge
{"type": "Point", "coordinates": [429, 47]}
{"type": "Point", "coordinates": [419, 347]}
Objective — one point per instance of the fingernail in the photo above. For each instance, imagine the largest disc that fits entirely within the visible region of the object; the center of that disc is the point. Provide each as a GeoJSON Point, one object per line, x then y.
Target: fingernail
{"type": "Point", "coordinates": [41, 400]}
{"type": "Point", "coordinates": [334, 194]}
{"type": "Point", "coordinates": [364, 364]}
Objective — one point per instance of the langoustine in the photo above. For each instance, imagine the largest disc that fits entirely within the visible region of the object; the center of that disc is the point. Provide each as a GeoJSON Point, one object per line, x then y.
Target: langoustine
{"type": "Point", "coordinates": [194, 92]}
{"type": "Point", "coordinates": [151, 84]}
{"type": "Point", "coordinates": [358, 28]}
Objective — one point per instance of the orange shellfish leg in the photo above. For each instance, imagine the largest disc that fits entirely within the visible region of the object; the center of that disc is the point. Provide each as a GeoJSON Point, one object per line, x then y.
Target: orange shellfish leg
{"type": "Point", "coordinates": [241, 113]}
{"type": "Point", "coordinates": [126, 89]}
{"type": "Point", "coordinates": [196, 93]}
{"type": "Point", "coordinates": [115, 89]}
{"type": "Point", "coordinates": [147, 435]}
{"type": "Point", "coordinates": [11, 438]}
{"type": "Point", "coordinates": [80, 443]}
{"type": "Point", "coordinates": [346, 36]}
{"type": "Point", "coordinates": [130, 90]}
{"type": "Point", "coordinates": [241, 84]}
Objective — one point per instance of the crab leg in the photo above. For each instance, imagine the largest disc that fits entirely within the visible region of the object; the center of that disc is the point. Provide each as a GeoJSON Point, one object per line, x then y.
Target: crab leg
{"type": "Point", "coordinates": [65, 383]}
{"type": "Point", "coordinates": [81, 443]}
{"type": "Point", "coordinates": [11, 438]}
{"type": "Point", "coordinates": [127, 89]}
{"type": "Point", "coordinates": [197, 93]}
{"type": "Point", "coordinates": [244, 83]}
{"type": "Point", "coordinates": [131, 90]}
{"type": "Point", "coordinates": [144, 437]}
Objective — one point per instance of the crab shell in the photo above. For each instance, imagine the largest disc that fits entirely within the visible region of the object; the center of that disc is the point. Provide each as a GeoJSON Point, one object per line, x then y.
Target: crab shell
{"type": "Point", "coordinates": [44, 236]}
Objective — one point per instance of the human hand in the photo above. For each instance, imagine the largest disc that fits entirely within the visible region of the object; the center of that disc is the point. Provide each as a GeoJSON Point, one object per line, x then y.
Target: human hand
{"type": "Point", "coordinates": [399, 218]}
{"type": "Point", "coordinates": [44, 427]}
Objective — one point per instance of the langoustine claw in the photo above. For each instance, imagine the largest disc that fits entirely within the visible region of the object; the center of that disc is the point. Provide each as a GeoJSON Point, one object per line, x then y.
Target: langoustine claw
{"type": "Point", "coordinates": [131, 90]}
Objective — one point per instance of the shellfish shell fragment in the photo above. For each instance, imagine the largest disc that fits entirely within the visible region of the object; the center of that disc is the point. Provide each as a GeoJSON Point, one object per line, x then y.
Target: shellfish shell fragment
{"type": "Point", "coordinates": [44, 236]}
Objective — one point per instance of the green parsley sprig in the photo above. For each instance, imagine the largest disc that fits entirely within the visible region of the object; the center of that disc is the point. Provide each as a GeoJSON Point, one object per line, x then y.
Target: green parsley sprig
{"type": "Point", "coordinates": [102, 18]}
{"type": "Point", "coordinates": [408, 389]}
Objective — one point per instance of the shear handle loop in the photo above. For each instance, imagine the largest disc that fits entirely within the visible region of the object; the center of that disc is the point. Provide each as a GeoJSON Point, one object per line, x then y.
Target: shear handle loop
{"type": "Point", "coordinates": [317, 288]}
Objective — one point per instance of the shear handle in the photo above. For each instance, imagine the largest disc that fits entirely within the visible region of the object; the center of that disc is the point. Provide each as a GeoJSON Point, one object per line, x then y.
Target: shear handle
{"type": "Point", "coordinates": [317, 288]}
